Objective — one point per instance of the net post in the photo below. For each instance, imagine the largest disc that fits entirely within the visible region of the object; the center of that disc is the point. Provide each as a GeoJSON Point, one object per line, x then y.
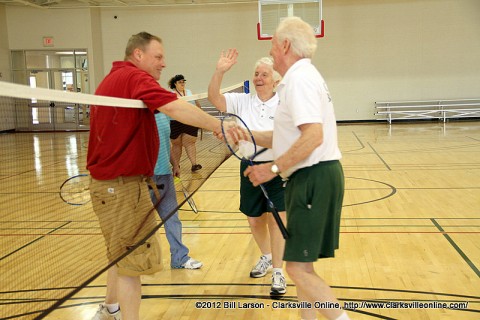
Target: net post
{"type": "Point", "coordinates": [246, 86]}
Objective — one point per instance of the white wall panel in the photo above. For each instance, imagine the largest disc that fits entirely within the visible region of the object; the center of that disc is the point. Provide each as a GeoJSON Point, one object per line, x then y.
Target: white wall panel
{"type": "Point", "coordinates": [373, 50]}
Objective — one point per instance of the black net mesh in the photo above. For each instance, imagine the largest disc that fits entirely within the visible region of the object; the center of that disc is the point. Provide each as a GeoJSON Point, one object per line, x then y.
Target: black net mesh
{"type": "Point", "coordinates": [51, 247]}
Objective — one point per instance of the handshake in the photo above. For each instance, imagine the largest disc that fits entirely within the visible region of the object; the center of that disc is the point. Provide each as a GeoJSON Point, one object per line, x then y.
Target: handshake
{"type": "Point", "coordinates": [233, 131]}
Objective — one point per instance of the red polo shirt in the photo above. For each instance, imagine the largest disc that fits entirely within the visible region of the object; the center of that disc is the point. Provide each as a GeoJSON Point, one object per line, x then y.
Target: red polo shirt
{"type": "Point", "coordinates": [124, 141]}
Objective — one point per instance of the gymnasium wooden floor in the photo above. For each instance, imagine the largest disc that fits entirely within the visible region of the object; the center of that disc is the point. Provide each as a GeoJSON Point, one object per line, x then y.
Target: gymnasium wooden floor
{"type": "Point", "coordinates": [410, 234]}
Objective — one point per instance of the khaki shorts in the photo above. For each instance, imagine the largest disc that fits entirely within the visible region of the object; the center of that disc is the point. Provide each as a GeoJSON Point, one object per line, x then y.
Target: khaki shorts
{"type": "Point", "coordinates": [126, 217]}
{"type": "Point", "coordinates": [314, 197]}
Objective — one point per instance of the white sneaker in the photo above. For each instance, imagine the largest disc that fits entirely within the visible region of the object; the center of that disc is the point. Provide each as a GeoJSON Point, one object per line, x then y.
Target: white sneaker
{"type": "Point", "coordinates": [279, 285]}
{"type": "Point", "coordinates": [104, 314]}
{"type": "Point", "coordinates": [261, 268]}
{"type": "Point", "coordinates": [190, 264]}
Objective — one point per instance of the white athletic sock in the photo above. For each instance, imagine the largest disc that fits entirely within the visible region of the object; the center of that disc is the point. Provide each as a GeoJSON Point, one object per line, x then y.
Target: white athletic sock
{"type": "Point", "coordinates": [269, 256]}
{"type": "Point", "coordinates": [277, 270]}
{"type": "Point", "coordinates": [112, 308]}
{"type": "Point", "coordinates": [343, 316]}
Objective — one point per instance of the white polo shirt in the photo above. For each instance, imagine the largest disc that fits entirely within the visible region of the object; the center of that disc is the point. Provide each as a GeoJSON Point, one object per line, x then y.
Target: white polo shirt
{"type": "Point", "coordinates": [304, 98]}
{"type": "Point", "coordinates": [258, 115]}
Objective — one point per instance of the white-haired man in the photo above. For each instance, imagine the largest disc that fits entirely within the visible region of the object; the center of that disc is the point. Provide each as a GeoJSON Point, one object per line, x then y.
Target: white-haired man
{"type": "Point", "coordinates": [304, 142]}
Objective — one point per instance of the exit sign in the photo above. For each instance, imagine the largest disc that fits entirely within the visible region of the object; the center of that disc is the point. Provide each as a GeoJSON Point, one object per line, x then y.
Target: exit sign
{"type": "Point", "coordinates": [48, 41]}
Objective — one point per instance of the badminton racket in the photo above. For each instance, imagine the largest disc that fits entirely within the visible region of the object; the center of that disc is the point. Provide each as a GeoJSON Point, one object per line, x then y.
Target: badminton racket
{"type": "Point", "coordinates": [75, 190]}
{"type": "Point", "coordinates": [186, 194]}
{"type": "Point", "coordinates": [246, 151]}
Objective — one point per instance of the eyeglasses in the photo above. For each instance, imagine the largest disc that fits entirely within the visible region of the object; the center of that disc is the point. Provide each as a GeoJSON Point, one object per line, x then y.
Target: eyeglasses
{"type": "Point", "coordinates": [181, 81]}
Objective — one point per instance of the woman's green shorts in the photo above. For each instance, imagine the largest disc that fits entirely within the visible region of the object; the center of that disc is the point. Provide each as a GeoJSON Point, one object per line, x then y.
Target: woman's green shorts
{"type": "Point", "coordinates": [252, 200]}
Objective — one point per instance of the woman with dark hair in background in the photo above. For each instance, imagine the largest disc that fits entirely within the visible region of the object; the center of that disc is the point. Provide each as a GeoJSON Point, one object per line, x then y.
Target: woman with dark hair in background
{"type": "Point", "coordinates": [183, 135]}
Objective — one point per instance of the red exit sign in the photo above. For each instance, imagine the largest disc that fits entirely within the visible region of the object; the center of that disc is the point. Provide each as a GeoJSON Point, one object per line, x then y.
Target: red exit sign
{"type": "Point", "coordinates": [48, 41]}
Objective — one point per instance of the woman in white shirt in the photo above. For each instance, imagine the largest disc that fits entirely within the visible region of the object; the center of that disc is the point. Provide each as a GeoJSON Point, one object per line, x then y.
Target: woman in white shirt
{"type": "Point", "coordinates": [258, 112]}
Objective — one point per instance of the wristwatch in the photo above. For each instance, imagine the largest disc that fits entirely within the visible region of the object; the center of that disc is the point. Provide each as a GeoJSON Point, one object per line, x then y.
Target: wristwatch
{"type": "Point", "coordinates": [274, 168]}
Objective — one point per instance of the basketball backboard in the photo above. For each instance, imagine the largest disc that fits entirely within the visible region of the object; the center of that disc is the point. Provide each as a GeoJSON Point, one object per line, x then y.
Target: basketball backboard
{"type": "Point", "coordinates": [271, 12]}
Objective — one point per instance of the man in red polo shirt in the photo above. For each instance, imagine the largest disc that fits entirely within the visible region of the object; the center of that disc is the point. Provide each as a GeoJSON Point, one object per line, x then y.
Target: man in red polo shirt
{"type": "Point", "coordinates": [122, 153]}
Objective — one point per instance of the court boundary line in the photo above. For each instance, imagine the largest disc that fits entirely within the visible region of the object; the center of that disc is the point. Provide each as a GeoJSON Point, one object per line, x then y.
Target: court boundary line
{"type": "Point", "coordinates": [457, 248]}
{"type": "Point", "coordinates": [378, 155]}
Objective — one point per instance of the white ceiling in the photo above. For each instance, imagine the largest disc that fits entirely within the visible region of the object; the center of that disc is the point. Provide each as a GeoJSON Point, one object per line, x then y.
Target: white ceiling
{"type": "Point", "coordinates": [115, 3]}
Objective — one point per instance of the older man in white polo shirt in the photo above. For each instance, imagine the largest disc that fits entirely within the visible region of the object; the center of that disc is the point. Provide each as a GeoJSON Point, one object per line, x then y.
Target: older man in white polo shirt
{"type": "Point", "coordinates": [306, 152]}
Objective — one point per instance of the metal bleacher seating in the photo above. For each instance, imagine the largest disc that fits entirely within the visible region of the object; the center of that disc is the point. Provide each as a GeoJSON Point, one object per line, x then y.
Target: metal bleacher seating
{"type": "Point", "coordinates": [428, 109]}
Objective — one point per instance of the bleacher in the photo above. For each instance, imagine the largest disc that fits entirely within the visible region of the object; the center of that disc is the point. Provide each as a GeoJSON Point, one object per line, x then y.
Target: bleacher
{"type": "Point", "coordinates": [428, 109]}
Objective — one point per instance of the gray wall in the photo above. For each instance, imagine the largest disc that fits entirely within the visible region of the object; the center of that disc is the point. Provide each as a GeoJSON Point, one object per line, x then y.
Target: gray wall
{"type": "Point", "coordinates": [4, 49]}
{"type": "Point", "coordinates": [373, 50]}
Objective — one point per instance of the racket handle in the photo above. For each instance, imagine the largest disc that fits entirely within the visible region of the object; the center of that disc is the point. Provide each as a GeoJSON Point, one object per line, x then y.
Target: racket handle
{"type": "Point", "coordinates": [276, 216]}
{"type": "Point", "coordinates": [279, 221]}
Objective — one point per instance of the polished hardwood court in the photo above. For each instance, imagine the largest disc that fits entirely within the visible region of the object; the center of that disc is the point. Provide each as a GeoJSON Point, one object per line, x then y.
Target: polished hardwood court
{"type": "Point", "coordinates": [409, 244]}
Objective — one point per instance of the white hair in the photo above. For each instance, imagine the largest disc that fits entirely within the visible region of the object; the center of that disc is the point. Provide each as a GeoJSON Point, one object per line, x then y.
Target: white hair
{"type": "Point", "coordinates": [300, 35]}
{"type": "Point", "coordinates": [268, 61]}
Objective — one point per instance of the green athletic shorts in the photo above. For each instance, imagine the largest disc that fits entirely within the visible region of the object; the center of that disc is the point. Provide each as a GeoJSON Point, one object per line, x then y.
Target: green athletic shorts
{"type": "Point", "coordinates": [314, 197]}
{"type": "Point", "coordinates": [252, 201]}
{"type": "Point", "coordinates": [126, 216]}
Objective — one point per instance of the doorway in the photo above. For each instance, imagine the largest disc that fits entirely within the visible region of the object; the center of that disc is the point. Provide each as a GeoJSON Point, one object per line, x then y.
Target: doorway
{"type": "Point", "coordinates": [57, 70]}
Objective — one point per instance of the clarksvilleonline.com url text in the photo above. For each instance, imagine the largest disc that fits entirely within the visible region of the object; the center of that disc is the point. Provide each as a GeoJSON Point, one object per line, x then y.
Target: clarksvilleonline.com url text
{"type": "Point", "coordinates": [353, 305]}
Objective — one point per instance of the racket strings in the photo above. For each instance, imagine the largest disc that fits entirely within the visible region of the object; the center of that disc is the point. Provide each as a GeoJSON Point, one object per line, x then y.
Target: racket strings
{"type": "Point", "coordinates": [238, 137]}
{"type": "Point", "coordinates": [76, 190]}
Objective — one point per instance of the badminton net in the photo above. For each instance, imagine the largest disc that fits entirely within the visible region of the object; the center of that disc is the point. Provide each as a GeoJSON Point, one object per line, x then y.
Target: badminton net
{"type": "Point", "coordinates": [51, 245]}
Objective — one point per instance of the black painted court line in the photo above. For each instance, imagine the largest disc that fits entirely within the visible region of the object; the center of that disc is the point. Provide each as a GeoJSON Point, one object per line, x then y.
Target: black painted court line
{"type": "Point", "coordinates": [358, 139]}
{"type": "Point", "coordinates": [237, 211]}
{"type": "Point", "coordinates": [45, 167]}
{"type": "Point", "coordinates": [362, 146]}
{"type": "Point", "coordinates": [99, 299]}
{"type": "Point", "coordinates": [434, 149]}
{"type": "Point", "coordinates": [203, 297]}
{"type": "Point", "coordinates": [33, 241]}
{"type": "Point", "coordinates": [457, 248]}
{"type": "Point", "coordinates": [240, 284]}
{"type": "Point", "coordinates": [439, 188]}
{"type": "Point", "coordinates": [269, 300]}
{"type": "Point", "coordinates": [196, 219]}
{"type": "Point", "coordinates": [381, 159]}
